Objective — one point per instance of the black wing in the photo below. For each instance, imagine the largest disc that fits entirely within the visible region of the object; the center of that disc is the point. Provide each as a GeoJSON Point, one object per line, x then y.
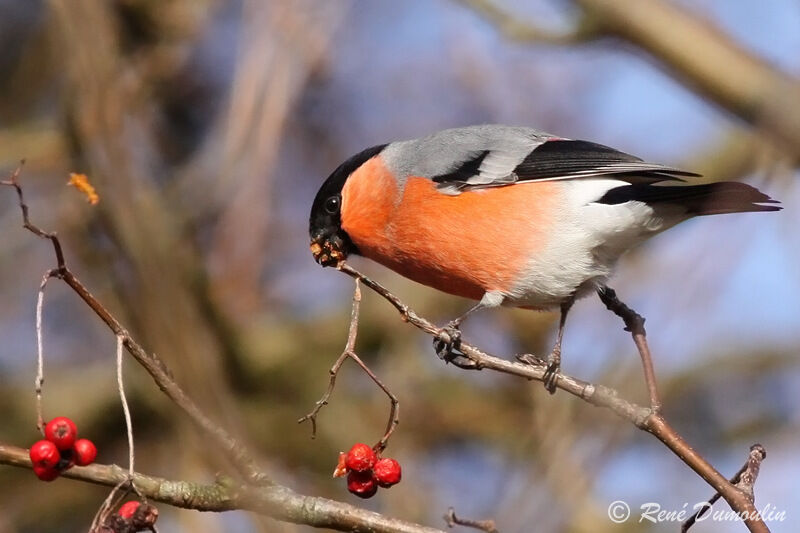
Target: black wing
{"type": "Point", "coordinates": [558, 159]}
{"type": "Point", "coordinates": [565, 159]}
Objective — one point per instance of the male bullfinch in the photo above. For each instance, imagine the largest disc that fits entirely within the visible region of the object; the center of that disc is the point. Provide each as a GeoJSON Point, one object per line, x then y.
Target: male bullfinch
{"type": "Point", "coordinates": [507, 215]}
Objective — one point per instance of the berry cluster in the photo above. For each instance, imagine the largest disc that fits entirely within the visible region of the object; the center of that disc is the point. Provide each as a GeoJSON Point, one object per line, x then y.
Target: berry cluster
{"type": "Point", "coordinates": [61, 449]}
{"type": "Point", "coordinates": [366, 471]}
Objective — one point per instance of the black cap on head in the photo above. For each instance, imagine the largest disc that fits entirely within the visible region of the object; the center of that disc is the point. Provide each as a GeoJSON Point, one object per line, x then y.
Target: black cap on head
{"type": "Point", "coordinates": [329, 242]}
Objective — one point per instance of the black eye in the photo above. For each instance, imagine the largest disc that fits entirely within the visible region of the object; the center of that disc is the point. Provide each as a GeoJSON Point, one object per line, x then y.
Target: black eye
{"type": "Point", "coordinates": [332, 204]}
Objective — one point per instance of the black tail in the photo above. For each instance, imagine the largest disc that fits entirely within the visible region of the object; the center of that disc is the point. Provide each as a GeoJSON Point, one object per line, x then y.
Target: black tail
{"type": "Point", "coordinates": [707, 199]}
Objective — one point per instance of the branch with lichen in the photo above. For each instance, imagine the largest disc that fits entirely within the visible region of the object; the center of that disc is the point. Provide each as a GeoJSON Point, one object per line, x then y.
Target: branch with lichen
{"type": "Point", "coordinates": [278, 502]}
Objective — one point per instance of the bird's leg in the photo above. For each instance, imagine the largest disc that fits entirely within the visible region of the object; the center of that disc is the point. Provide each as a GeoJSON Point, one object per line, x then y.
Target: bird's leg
{"type": "Point", "coordinates": [553, 360]}
{"type": "Point", "coordinates": [634, 322]}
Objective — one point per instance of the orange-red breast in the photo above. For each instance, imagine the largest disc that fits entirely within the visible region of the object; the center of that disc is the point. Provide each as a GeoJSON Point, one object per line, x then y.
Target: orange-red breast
{"type": "Point", "coordinates": [507, 215]}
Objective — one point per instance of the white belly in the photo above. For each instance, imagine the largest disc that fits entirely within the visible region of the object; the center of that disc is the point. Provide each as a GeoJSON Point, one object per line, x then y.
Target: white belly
{"type": "Point", "coordinates": [588, 241]}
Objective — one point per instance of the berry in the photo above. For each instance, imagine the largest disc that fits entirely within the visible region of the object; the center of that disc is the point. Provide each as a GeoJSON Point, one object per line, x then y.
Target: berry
{"type": "Point", "coordinates": [341, 468]}
{"type": "Point", "coordinates": [62, 432]}
{"type": "Point", "coordinates": [128, 509]}
{"type": "Point", "coordinates": [387, 472]}
{"type": "Point", "coordinates": [45, 473]}
{"type": "Point", "coordinates": [360, 458]}
{"type": "Point", "coordinates": [84, 452]}
{"type": "Point", "coordinates": [44, 454]}
{"type": "Point", "coordinates": [361, 484]}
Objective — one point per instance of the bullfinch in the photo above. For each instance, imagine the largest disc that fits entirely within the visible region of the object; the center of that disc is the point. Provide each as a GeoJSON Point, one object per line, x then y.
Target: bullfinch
{"type": "Point", "coordinates": [507, 215]}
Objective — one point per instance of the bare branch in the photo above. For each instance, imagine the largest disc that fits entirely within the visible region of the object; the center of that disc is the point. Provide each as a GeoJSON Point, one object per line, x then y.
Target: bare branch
{"type": "Point", "coordinates": [749, 474]}
{"type": "Point", "coordinates": [644, 418]}
{"type": "Point", "coordinates": [634, 323]}
{"type": "Point", "coordinates": [599, 395]}
{"type": "Point", "coordinates": [26, 223]}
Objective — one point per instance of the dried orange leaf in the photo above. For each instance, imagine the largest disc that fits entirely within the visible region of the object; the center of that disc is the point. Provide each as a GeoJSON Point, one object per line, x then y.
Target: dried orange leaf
{"type": "Point", "coordinates": [341, 469]}
{"type": "Point", "coordinates": [81, 182]}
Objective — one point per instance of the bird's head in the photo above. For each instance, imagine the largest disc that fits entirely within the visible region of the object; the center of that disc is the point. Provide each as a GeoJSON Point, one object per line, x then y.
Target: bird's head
{"type": "Point", "coordinates": [330, 243]}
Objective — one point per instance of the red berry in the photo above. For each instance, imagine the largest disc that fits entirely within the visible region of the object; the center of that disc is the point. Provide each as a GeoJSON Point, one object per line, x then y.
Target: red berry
{"type": "Point", "coordinates": [128, 509]}
{"type": "Point", "coordinates": [45, 473]}
{"type": "Point", "coordinates": [44, 454]}
{"type": "Point", "coordinates": [361, 484]}
{"type": "Point", "coordinates": [387, 472]}
{"type": "Point", "coordinates": [360, 458]}
{"type": "Point", "coordinates": [62, 432]}
{"type": "Point", "coordinates": [85, 452]}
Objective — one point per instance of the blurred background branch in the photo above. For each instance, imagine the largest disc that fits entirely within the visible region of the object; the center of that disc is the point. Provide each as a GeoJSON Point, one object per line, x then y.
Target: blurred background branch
{"type": "Point", "coordinates": [515, 28]}
{"type": "Point", "coordinates": [691, 48]}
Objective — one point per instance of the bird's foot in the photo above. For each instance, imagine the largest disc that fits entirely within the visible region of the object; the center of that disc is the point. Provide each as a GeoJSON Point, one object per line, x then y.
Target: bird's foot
{"type": "Point", "coordinates": [448, 347]}
{"type": "Point", "coordinates": [446, 343]}
{"type": "Point", "coordinates": [552, 367]}
{"type": "Point", "coordinates": [530, 359]}
{"type": "Point", "coordinates": [550, 378]}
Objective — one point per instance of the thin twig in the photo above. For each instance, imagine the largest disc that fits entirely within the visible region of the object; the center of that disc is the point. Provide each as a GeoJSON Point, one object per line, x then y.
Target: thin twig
{"type": "Point", "coordinates": [125, 408]}
{"type": "Point", "coordinates": [484, 525]}
{"type": "Point", "coordinates": [755, 457]}
{"type": "Point", "coordinates": [747, 479]}
{"type": "Point", "coordinates": [334, 370]}
{"type": "Point", "coordinates": [26, 223]}
{"type": "Point", "coordinates": [350, 353]}
{"type": "Point", "coordinates": [39, 381]}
